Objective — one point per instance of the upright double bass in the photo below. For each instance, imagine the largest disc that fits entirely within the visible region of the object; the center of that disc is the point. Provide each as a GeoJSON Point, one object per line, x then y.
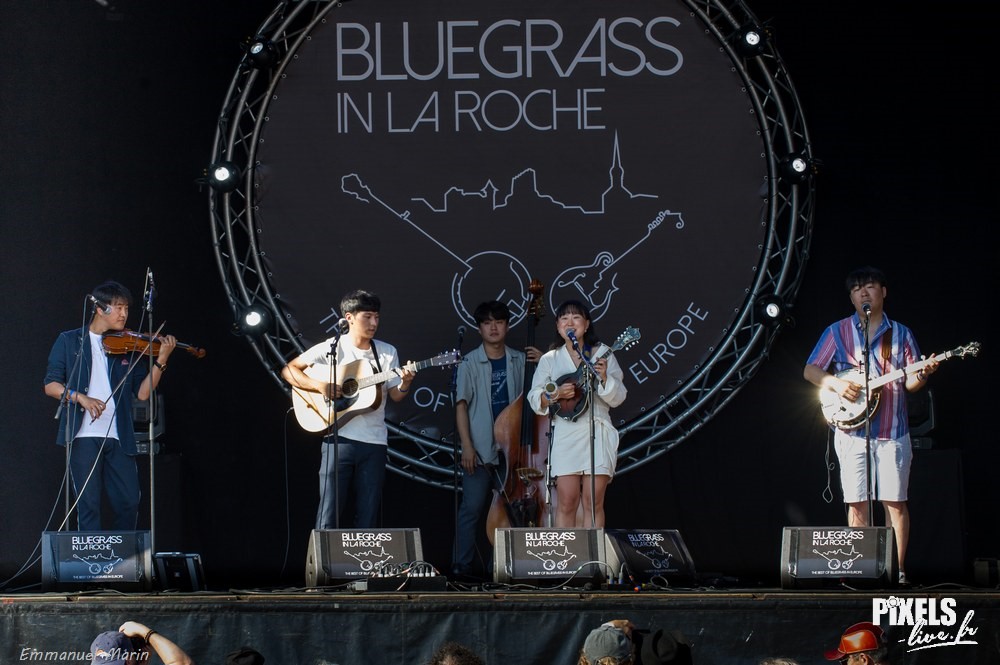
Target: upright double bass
{"type": "Point", "coordinates": [519, 499]}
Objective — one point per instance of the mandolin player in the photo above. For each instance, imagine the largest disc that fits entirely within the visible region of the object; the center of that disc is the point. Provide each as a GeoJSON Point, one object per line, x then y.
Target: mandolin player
{"type": "Point", "coordinates": [582, 465]}
{"type": "Point", "coordinates": [836, 364]}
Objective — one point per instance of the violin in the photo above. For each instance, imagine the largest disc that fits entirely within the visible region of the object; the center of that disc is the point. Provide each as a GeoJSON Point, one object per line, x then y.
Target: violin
{"type": "Point", "coordinates": [126, 341]}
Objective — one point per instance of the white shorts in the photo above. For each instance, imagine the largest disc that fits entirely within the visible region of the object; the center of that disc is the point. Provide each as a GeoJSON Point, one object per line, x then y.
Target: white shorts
{"type": "Point", "coordinates": [891, 460]}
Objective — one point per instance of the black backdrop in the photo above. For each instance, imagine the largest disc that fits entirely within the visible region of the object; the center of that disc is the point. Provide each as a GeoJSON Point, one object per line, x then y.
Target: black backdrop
{"type": "Point", "coordinates": [106, 119]}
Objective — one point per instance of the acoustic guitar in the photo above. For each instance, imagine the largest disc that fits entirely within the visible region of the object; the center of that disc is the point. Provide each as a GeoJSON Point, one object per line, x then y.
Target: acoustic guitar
{"type": "Point", "coordinates": [849, 415]}
{"type": "Point", "coordinates": [361, 390]}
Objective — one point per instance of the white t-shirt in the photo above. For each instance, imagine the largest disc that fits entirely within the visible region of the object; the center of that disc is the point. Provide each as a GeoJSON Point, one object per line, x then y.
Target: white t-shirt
{"type": "Point", "coordinates": [365, 425]}
{"type": "Point", "coordinates": [100, 388]}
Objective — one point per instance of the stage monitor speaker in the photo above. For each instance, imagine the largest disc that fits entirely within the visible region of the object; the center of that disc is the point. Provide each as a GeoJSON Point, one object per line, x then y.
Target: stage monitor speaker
{"type": "Point", "coordinates": [87, 560]}
{"type": "Point", "coordinates": [343, 555]}
{"type": "Point", "coordinates": [648, 555]}
{"type": "Point", "coordinates": [549, 556]}
{"type": "Point", "coordinates": [818, 556]}
{"type": "Point", "coordinates": [179, 571]}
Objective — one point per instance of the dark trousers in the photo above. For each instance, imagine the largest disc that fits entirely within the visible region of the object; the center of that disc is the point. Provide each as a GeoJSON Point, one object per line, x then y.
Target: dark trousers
{"type": "Point", "coordinates": [359, 474]}
{"type": "Point", "coordinates": [477, 494]}
{"type": "Point", "coordinates": [101, 466]}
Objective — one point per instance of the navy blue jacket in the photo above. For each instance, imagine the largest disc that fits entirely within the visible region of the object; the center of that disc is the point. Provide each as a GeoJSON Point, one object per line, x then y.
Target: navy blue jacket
{"type": "Point", "coordinates": [61, 359]}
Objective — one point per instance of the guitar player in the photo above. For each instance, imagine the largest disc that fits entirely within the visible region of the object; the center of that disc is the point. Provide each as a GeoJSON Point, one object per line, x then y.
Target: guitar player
{"type": "Point", "coordinates": [361, 436]}
{"type": "Point", "coordinates": [891, 346]}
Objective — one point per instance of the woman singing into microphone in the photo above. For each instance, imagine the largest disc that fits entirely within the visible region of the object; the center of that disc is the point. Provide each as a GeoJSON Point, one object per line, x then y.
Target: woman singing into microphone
{"type": "Point", "coordinates": [576, 359]}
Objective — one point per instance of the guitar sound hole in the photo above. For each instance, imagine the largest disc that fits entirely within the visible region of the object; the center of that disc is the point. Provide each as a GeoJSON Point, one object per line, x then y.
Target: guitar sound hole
{"type": "Point", "coordinates": [350, 388]}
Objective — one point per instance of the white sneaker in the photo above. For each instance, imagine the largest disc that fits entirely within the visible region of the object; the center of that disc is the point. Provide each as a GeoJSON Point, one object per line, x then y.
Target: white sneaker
{"type": "Point", "coordinates": [903, 581]}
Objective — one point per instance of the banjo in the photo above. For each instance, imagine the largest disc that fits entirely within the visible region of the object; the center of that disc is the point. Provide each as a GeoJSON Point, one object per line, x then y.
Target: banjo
{"type": "Point", "coordinates": [847, 415]}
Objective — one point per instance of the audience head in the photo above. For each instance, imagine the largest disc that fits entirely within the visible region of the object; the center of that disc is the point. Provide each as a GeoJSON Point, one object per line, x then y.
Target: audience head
{"type": "Point", "coordinates": [453, 653]}
{"type": "Point", "coordinates": [244, 656]}
{"type": "Point", "coordinates": [865, 640]}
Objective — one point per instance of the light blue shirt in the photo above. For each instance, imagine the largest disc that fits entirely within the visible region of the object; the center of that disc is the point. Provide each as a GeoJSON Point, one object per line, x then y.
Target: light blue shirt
{"type": "Point", "coordinates": [474, 386]}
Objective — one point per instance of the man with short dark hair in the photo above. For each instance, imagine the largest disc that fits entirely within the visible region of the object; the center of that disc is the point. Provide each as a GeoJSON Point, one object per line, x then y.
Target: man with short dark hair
{"type": "Point", "coordinates": [361, 436]}
{"type": "Point", "coordinates": [97, 389]}
{"type": "Point", "coordinates": [890, 346]}
{"type": "Point", "coordinates": [489, 379]}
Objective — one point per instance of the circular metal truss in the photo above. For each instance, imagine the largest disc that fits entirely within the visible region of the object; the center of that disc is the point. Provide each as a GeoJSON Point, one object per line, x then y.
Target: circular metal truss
{"type": "Point", "coordinates": [788, 220]}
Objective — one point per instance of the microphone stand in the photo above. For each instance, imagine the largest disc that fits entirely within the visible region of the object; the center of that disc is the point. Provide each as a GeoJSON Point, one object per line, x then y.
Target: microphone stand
{"type": "Point", "coordinates": [548, 466]}
{"type": "Point", "coordinates": [589, 376]}
{"type": "Point", "coordinates": [868, 423]}
{"type": "Point", "coordinates": [148, 295]}
{"type": "Point", "coordinates": [71, 414]}
{"type": "Point", "coordinates": [332, 410]}
{"type": "Point", "coordinates": [456, 447]}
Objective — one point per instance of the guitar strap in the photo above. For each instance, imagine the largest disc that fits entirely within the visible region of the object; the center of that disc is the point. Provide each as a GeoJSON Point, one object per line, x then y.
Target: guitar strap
{"type": "Point", "coordinates": [378, 365]}
{"type": "Point", "coordinates": [886, 349]}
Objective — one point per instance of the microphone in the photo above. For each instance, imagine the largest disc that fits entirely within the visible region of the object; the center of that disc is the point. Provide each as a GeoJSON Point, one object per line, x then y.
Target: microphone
{"type": "Point", "coordinates": [571, 333]}
{"type": "Point", "coordinates": [867, 309]}
{"type": "Point", "coordinates": [150, 290]}
{"type": "Point", "coordinates": [342, 327]}
{"type": "Point", "coordinates": [100, 304]}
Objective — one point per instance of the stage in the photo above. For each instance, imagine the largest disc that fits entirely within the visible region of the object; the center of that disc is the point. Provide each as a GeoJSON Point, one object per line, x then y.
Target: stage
{"type": "Point", "coordinates": [504, 624]}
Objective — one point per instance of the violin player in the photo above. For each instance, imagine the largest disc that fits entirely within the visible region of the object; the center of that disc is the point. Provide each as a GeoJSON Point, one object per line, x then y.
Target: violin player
{"type": "Point", "coordinates": [580, 479]}
{"type": "Point", "coordinates": [96, 415]}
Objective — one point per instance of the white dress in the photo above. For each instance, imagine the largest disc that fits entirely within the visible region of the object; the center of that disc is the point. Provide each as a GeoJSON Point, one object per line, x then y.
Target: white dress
{"type": "Point", "coordinates": [569, 451]}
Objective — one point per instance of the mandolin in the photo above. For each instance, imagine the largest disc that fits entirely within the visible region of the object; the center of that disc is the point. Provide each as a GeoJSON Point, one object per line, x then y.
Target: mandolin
{"type": "Point", "coordinates": [571, 408]}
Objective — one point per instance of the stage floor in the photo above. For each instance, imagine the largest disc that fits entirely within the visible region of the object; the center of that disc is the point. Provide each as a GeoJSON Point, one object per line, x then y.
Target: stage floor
{"type": "Point", "coordinates": [505, 625]}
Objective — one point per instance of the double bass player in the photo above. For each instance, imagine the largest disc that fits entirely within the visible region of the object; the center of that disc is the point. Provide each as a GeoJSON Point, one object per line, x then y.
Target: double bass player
{"type": "Point", "coordinates": [489, 378]}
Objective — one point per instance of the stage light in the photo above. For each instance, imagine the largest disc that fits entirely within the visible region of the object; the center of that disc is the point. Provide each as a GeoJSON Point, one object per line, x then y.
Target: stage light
{"type": "Point", "coordinates": [772, 310]}
{"type": "Point", "coordinates": [797, 167]}
{"type": "Point", "coordinates": [262, 52]}
{"type": "Point", "coordinates": [253, 321]}
{"type": "Point", "coordinates": [223, 176]}
{"type": "Point", "coordinates": [750, 40]}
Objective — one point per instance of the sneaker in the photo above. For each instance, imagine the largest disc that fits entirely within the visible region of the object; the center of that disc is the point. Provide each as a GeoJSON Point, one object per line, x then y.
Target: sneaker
{"type": "Point", "coordinates": [903, 580]}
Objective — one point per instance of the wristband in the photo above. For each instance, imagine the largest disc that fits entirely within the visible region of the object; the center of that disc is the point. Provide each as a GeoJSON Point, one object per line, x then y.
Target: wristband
{"type": "Point", "coordinates": [401, 389]}
{"type": "Point", "coordinates": [163, 367]}
{"type": "Point", "coordinates": [921, 376]}
{"type": "Point", "coordinates": [149, 634]}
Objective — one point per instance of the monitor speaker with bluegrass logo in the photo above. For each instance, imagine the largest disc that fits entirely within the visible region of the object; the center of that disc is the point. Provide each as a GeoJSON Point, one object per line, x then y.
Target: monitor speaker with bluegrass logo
{"type": "Point", "coordinates": [542, 556]}
{"type": "Point", "coordinates": [344, 555]}
{"type": "Point", "coordinates": [87, 560]}
{"type": "Point", "coordinates": [650, 555]}
{"type": "Point", "coordinates": [820, 556]}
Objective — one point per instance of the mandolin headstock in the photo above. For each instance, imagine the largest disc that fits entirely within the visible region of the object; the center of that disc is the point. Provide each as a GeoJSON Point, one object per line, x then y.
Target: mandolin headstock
{"type": "Point", "coordinates": [629, 337]}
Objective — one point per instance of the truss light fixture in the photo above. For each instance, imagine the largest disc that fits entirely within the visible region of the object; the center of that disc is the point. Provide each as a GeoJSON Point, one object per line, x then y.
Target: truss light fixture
{"type": "Point", "coordinates": [773, 310]}
{"type": "Point", "coordinates": [750, 40]}
{"type": "Point", "coordinates": [253, 321]}
{"type": "Point", "coordinates": [223, 176]}
{"type": "Point", "coordinates": [262, 52]}
{"type": "Point", "coordinates": [797, 167]}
